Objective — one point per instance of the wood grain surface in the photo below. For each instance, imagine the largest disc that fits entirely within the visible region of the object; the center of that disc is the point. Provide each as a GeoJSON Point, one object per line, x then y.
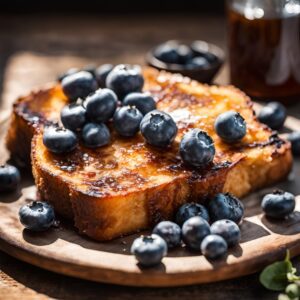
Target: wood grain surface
{"type": "Point", "coordinates": [33, 50]}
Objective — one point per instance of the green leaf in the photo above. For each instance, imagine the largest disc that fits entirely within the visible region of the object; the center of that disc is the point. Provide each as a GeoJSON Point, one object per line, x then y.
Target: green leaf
{"type": "Point", "coordinates": [274, 276]}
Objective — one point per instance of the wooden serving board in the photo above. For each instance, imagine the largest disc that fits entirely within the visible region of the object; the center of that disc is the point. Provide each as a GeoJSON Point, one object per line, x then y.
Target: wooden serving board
{"type": "Point", "coordinates": [64, 251]}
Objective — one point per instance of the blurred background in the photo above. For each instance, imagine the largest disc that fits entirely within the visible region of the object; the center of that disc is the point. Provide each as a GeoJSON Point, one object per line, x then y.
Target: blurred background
{"type": "Point", "coordinates": [40, 39]}
{"type": "Point", "coordinates": [100, 6]}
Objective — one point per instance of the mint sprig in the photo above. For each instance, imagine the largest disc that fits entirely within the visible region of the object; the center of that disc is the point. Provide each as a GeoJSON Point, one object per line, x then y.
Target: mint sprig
{"type": "Point", "coordinates": [278, 275]}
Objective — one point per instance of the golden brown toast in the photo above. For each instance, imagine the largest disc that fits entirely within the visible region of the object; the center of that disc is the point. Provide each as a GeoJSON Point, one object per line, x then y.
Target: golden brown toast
{"type": "Point", "coordinates": [128, 185]}
{"type": "Point", "coordinates": [29, 113]}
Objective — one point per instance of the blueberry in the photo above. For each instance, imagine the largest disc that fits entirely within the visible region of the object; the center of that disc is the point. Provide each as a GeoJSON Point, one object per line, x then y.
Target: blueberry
{"type": "Point", "coordinates": [273, 115]}
{"type": "Point", "coordinates": [95, 135]}
{"type": "Point", "coordinates": [194, 230]}
{"type": "Point", "coordinates": [170, 232]}
{"type": "Point", "coordinates": [79, 85]}
{"type": "Point", "coordinates": [197, 148]}
{"type": "Point", "coordinates": [279, 204]}
{"type": "Point", "coordinates": [185, 54]}
{"type": "Point", "coordinates": [125, 79]}
{"type": "Point", "coordinates": [37, 216]}
{"type": "Point", "coordinates": [167, 52]}
{"type": "Point", "coordinates": [158, 128]}
{"type": "Point", "coordinates": [101, 105]}
{"type": "Point", "coordinates": [189, 210]}
{"type": "Point", "coordinates": [294, 138]}
{"type": "Point", "coordinates": [198, 62]}
{"type": "Point", "coordinates": [201, 49]}
{"type": "Point", "coordinates": [67, 73]}
{"type": "Point", "coordinates": [101, 74]}
{"type": "Point", "coordinates": [9, 178]}
{"type": "Point", "coordinates": [91, 69]}
{"type": "Point", "coordinates": [228, 230]}
{"type": "Point", "coordinates": [213, 246]}
{"type": "Point", "coordinates": [149, 250]}
{"type": "Point", "coordinates": [73, 116]}
{"type": "Point", "coordinates": [230, 126]}
{"type": "Point", "coordinates": [226, 206]}
{"type": "Point", "coordinates": [59, 140]}
{"type": "Point", "coordinates": [127, 121]}
{"type": "Point", "coordinates": [212, 58]}
{"type": "Point", "coordinates": [144, 102]}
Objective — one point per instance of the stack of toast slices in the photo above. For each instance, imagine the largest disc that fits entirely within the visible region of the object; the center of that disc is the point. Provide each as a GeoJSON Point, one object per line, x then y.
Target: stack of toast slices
{"type": "Point", "coordinates": [128, 185]}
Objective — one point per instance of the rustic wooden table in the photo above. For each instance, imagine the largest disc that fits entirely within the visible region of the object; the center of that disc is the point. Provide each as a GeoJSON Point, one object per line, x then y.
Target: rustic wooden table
{"type": "Point", "coordinates": [33, 50]}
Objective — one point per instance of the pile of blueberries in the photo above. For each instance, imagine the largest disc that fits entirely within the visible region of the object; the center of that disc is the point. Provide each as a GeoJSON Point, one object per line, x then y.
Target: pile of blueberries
{"type": "Point", "coordinates": [92, 107]}
{"type": "Point", "coordinates": [192, 227]}
{"type": "Point", "coordinates": [174, 52]}
{"type": "Point", "coordinates": [120, 99]}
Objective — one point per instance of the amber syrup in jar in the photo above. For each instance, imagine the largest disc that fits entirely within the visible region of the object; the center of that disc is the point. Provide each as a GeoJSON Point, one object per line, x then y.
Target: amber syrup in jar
{"type": "Point", "coordinates": [264, 50]}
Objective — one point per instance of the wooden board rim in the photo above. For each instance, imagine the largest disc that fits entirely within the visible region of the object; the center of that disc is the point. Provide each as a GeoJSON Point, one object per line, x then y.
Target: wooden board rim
{"type": "Point", "coordinates": [160, 276]}
{"type": "Point", "coordinates": [154, 277]}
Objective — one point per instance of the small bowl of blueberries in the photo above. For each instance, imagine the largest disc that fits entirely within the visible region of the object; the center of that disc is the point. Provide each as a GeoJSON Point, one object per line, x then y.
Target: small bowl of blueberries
{"type": "Point", "coordinates": [198, 60]}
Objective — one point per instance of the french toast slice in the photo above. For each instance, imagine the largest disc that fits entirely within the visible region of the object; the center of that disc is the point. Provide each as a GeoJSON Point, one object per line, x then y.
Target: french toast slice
{"type": "Point", "coordinates": [128, 185]}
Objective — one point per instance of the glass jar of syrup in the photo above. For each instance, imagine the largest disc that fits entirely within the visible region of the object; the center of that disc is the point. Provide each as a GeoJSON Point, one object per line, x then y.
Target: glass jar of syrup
{"type": "Point", "coordinates": [264, 48]}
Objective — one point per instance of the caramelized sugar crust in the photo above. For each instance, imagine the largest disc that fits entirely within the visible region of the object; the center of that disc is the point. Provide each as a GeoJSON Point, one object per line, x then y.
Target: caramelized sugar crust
{"type": "Point", "coordinates": [129, 185]}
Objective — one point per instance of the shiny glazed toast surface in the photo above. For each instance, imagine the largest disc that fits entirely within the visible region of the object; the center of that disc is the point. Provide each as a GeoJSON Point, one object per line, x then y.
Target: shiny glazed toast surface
{"type": "Point", "coordinates": [129, 185]}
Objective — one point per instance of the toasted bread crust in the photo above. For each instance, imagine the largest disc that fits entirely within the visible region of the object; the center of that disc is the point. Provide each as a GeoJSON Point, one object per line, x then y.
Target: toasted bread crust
{"type": "Point", "coordinates": [129, 186]}
{"type": "Point", "coordinates": [108, 217]}
{"type": "Point", "coordinates": [29, 113]}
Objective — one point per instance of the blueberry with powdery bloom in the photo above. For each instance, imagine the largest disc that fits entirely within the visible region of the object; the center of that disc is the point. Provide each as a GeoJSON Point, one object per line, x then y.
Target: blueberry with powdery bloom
{"type": "Point", "coordinates": [149, 250]}
{"type": "Point", "coordinates": [79, 85]}
{"type": "Point", "coordinates": [194, 230]}
{"type": "Point", "coordinates": [294, 138]}
{"type": "Point", "coordinates": [95, 135]}
{"type": "Point", "coordinates": [127, 121]}
{"type": "Point", "coordinates": [197, 148]}
{"type": "Point", "coordinates": [230, 126]}
{"type": "Point", "coordinates": [59, 140]}
{"type": "Point", "coordinates": [168, 52]}
{"type": "Point", "coordinates": [158, 128]}
{"type": "Point", "coordinates": [189, 210]}
{"type": "Point", "coordinates": [214, 246]}
{"type": "Point", "coordinates": [73, 116]}
{"type": "Point", "coordinates": [273, 115]}
{"type": "Point", "coordinates": [125, 79]}
{"type": "Point", "coordinates": [37, 216]}
{"type": "Point", "coordinates": [101, 74]}
{"type": "Point", "coordinates": [228, 230]}
{"type": "Point", "coordinates": [170, 232]}
{"type": "Point", "coordinates": [101, 105]}
{"type": "Point", "coordinates": [278, 204]}
{"type": "Point", "coordinates": [9, 178]}
{"type": "Point", "coordinates": [144, 102]}
{"type": "Point", "coordinates": [226, 206]}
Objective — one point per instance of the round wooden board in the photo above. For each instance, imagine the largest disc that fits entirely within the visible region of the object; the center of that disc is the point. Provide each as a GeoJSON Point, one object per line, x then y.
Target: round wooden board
{"type": "Point", "coordinates": [63, 250]}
